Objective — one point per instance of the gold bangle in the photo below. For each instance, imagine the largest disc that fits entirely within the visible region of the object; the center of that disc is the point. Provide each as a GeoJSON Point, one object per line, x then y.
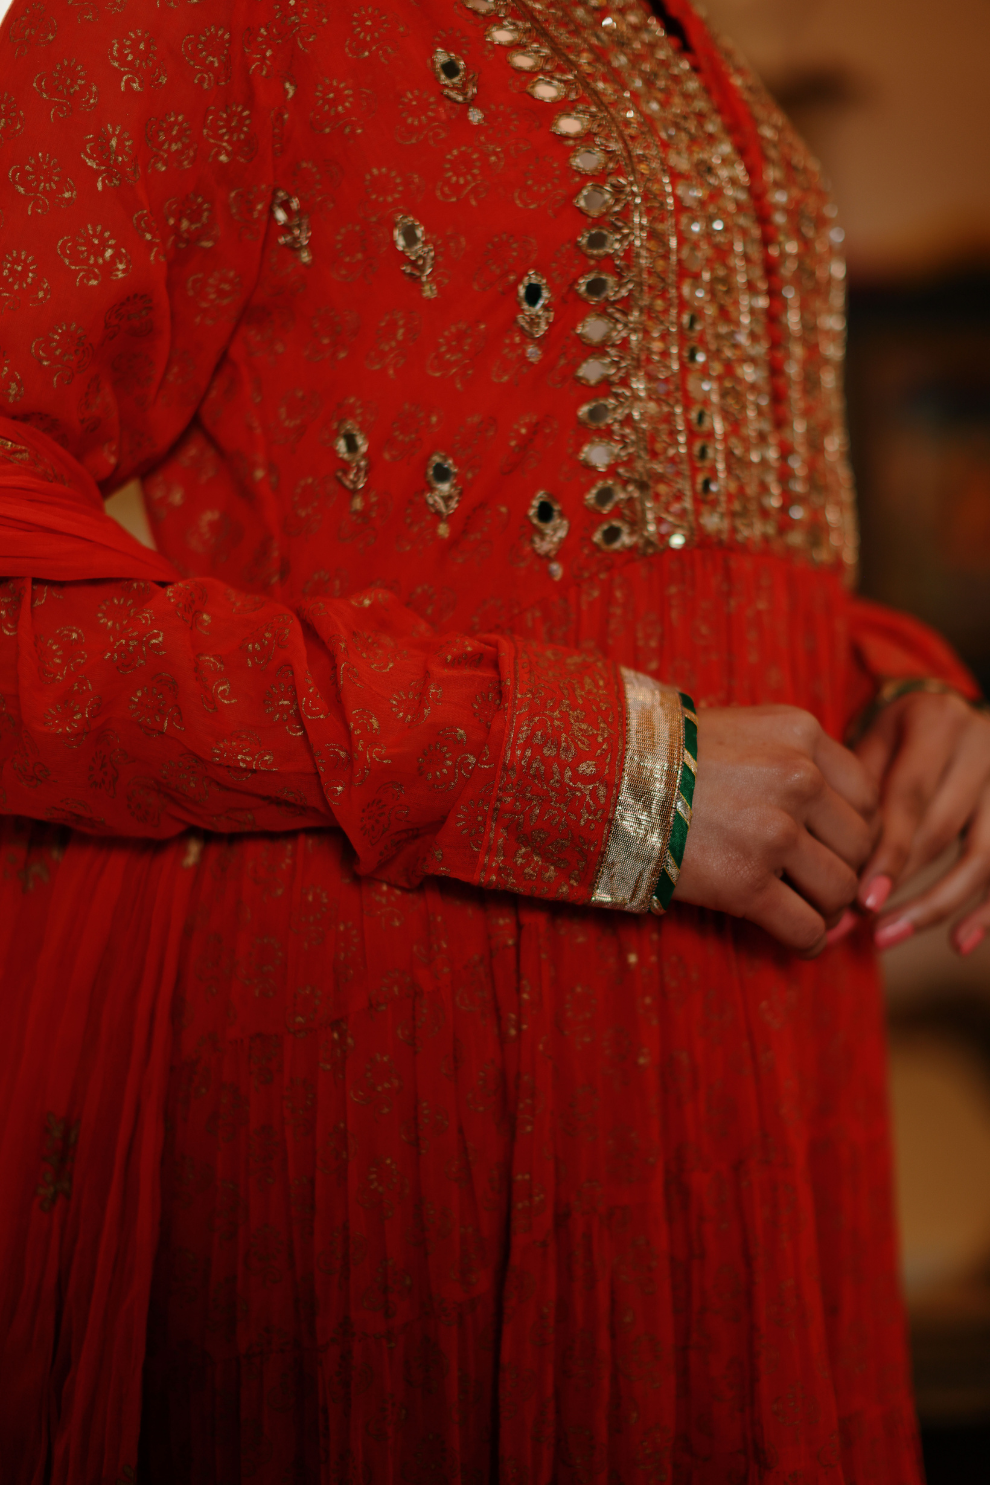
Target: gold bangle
{"type": "Point", "coordinates": [892, 690]}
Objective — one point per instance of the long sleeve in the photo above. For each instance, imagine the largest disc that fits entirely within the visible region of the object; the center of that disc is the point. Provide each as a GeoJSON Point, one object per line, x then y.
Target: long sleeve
{"type": "Point", "coordinates": [128, 708]}
{"type": "Point", "coordinates": [137, 184]}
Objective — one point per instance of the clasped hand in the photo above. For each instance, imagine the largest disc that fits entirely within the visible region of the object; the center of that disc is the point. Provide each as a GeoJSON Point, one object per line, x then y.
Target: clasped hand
{"type": "Point", "coordinates": [801, 835]}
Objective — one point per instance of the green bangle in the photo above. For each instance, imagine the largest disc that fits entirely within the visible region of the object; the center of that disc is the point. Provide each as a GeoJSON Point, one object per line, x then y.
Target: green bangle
{"type": "Point", "coordinates": [664, 890]}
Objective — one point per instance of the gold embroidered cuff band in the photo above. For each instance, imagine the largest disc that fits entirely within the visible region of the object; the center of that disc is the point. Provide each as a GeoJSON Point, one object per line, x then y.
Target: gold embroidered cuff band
{"type": "Point", "coordinates": [639, 840]}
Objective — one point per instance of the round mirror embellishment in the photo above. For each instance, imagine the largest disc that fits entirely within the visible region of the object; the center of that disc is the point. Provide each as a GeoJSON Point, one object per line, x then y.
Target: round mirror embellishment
{"type": "Point", "coordinates": [456, 82]}
{"type": "Point", "coordinates": [552, 526]}
{"type": "Point", "coordinates": [535, 315]}
{"type": "Point", "coordinates": [548, 89]}
{"type": "Point", "coordinates": [351, 446]}
{"type": "Point", "coordinates": [444, 493]}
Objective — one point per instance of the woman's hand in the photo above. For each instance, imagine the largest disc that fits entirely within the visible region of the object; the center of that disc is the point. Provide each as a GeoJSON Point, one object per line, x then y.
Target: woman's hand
{"type": "Point", "coordinates": [783, 822]}
{"type": "Point", "coordinates": [930, 758]}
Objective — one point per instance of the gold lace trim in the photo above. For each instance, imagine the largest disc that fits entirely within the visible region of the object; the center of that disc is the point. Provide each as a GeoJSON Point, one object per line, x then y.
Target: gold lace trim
{"type": "Point", "coordinates": [644, 814]}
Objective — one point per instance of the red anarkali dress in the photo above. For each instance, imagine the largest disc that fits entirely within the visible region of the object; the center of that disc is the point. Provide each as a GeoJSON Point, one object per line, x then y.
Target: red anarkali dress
{"type": "Point", "coordinates": [481, 359]}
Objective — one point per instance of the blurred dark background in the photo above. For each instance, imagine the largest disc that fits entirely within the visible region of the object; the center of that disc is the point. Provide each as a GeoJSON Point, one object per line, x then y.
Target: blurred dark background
{"type": "Point", "coordinates": [893, 99]}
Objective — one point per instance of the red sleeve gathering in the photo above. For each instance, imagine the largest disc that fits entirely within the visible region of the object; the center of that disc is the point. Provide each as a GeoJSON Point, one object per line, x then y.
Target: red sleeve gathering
{"type": "Point", "coordinates": [136, 706]}
{"type": "Point", "coordinates": [889, 645]}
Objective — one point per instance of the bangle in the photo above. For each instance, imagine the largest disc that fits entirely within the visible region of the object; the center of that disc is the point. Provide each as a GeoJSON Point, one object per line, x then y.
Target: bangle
{"type": "Point", "coordinates": [893, 690]}
{"type": "Point", "coordinates": [671, 870]}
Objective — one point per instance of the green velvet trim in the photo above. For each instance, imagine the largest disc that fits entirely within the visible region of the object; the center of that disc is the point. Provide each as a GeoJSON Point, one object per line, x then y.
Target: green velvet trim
{"type": "Point", "coordinates": [664, 890]}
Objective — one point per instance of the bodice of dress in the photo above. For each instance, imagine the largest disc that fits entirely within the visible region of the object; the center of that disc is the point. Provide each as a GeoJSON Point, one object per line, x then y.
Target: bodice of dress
{"type": "Point", "coordinates": [516, 313]}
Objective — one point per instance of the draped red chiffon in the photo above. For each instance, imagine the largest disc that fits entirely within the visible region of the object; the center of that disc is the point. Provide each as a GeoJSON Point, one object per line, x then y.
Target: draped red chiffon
{"type": "Point", "coordinates": [341, 1137]}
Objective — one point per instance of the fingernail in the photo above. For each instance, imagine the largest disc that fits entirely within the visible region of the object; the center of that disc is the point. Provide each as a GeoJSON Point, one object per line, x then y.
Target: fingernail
{"type": "Point", "coordinates": [877, 893]}
{"type": "Point", "coordinates": [972, 940]}
{"type": "Point", "coordinates": [893, 933]}
{"type": "Point", "coordinates": [845, 925]}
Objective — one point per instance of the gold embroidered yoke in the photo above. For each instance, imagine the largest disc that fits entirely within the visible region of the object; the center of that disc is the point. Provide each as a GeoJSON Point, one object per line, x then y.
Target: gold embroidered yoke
{"type": "Point", "coordinates": [715, 348]}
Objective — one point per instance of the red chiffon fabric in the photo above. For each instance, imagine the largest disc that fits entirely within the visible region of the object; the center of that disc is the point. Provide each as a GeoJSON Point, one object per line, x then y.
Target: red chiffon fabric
{"type": "Point", "coordinates": [55, 527]}
{"type": "Point", "coordinates": [430, 1151]}
{"type": "Point", "coordinates": [330, 1108]}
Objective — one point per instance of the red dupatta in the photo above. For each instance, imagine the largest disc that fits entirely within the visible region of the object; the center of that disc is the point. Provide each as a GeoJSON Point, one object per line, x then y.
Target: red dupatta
{"type": "Point", "coordinates": [91, 1051]}
{"type": "Point", "coordinates": [56, 528]}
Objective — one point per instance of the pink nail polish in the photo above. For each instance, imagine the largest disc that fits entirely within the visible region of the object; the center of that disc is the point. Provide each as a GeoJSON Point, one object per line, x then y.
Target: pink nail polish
{"type": "Point", "coordinates": [893, 933]}
{"type": "Point", "coordinates": [877, 893]}
{"type": "Point", "coordinates": [972, 940]}
{"type": "Point", "coordinates": [845, 925]}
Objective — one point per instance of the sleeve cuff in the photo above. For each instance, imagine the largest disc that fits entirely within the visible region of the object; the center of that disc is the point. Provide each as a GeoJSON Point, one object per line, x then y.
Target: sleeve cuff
{"type": "Point", "coordinates": [637, 850]}
{"type": "Point", "coordinates": [589, 801]}
{"type": "Point", "coordinates": [552, 803]}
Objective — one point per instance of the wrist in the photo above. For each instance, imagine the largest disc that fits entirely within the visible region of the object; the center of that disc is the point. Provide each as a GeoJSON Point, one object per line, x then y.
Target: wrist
{"type": "Point", "coordinates": [895, 689]}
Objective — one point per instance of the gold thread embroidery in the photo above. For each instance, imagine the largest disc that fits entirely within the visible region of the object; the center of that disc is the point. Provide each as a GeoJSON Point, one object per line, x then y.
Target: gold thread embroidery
{"type": "Point", "coordinates": [456, 83]}
{"type": "Point", "coordinates": [410, 238]}
{"type": "Point", "coordinates": [295, 224]}
{"type": "Point", "coordinates": [725, 434]}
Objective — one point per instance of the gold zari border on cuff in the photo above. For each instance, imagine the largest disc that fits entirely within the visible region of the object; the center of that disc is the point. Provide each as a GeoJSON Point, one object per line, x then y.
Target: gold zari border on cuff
{"type": "Point", "coordinates": [651, 771]}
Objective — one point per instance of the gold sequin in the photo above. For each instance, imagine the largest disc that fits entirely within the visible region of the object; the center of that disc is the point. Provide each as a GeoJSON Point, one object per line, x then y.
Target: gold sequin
{"type": "Point", "coordinates": [288, 215]}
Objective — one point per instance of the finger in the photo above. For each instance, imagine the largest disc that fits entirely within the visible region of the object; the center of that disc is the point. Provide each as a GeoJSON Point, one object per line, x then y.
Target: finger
{"type": "Point", "coordinates": [844, 927]}
{"type": "Point", "coordinates": [788, 918]}
{"type": "Point", "coordinates": [972, 930]}
{"type": "Point", "coordinates": [911, 782]}
{"type": "Point", "coordinates": [951, 806]}
{"type": "Point", "coordinates": [845, 773]}
{"type": "Point", "coordinates": [821, 877]}
{"type": "Point", "coordinates": [946, 897]}
{"type": "Point", "coordinates": [876, 747]}
{"type": "Point", "coordinates": [835, 823]}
